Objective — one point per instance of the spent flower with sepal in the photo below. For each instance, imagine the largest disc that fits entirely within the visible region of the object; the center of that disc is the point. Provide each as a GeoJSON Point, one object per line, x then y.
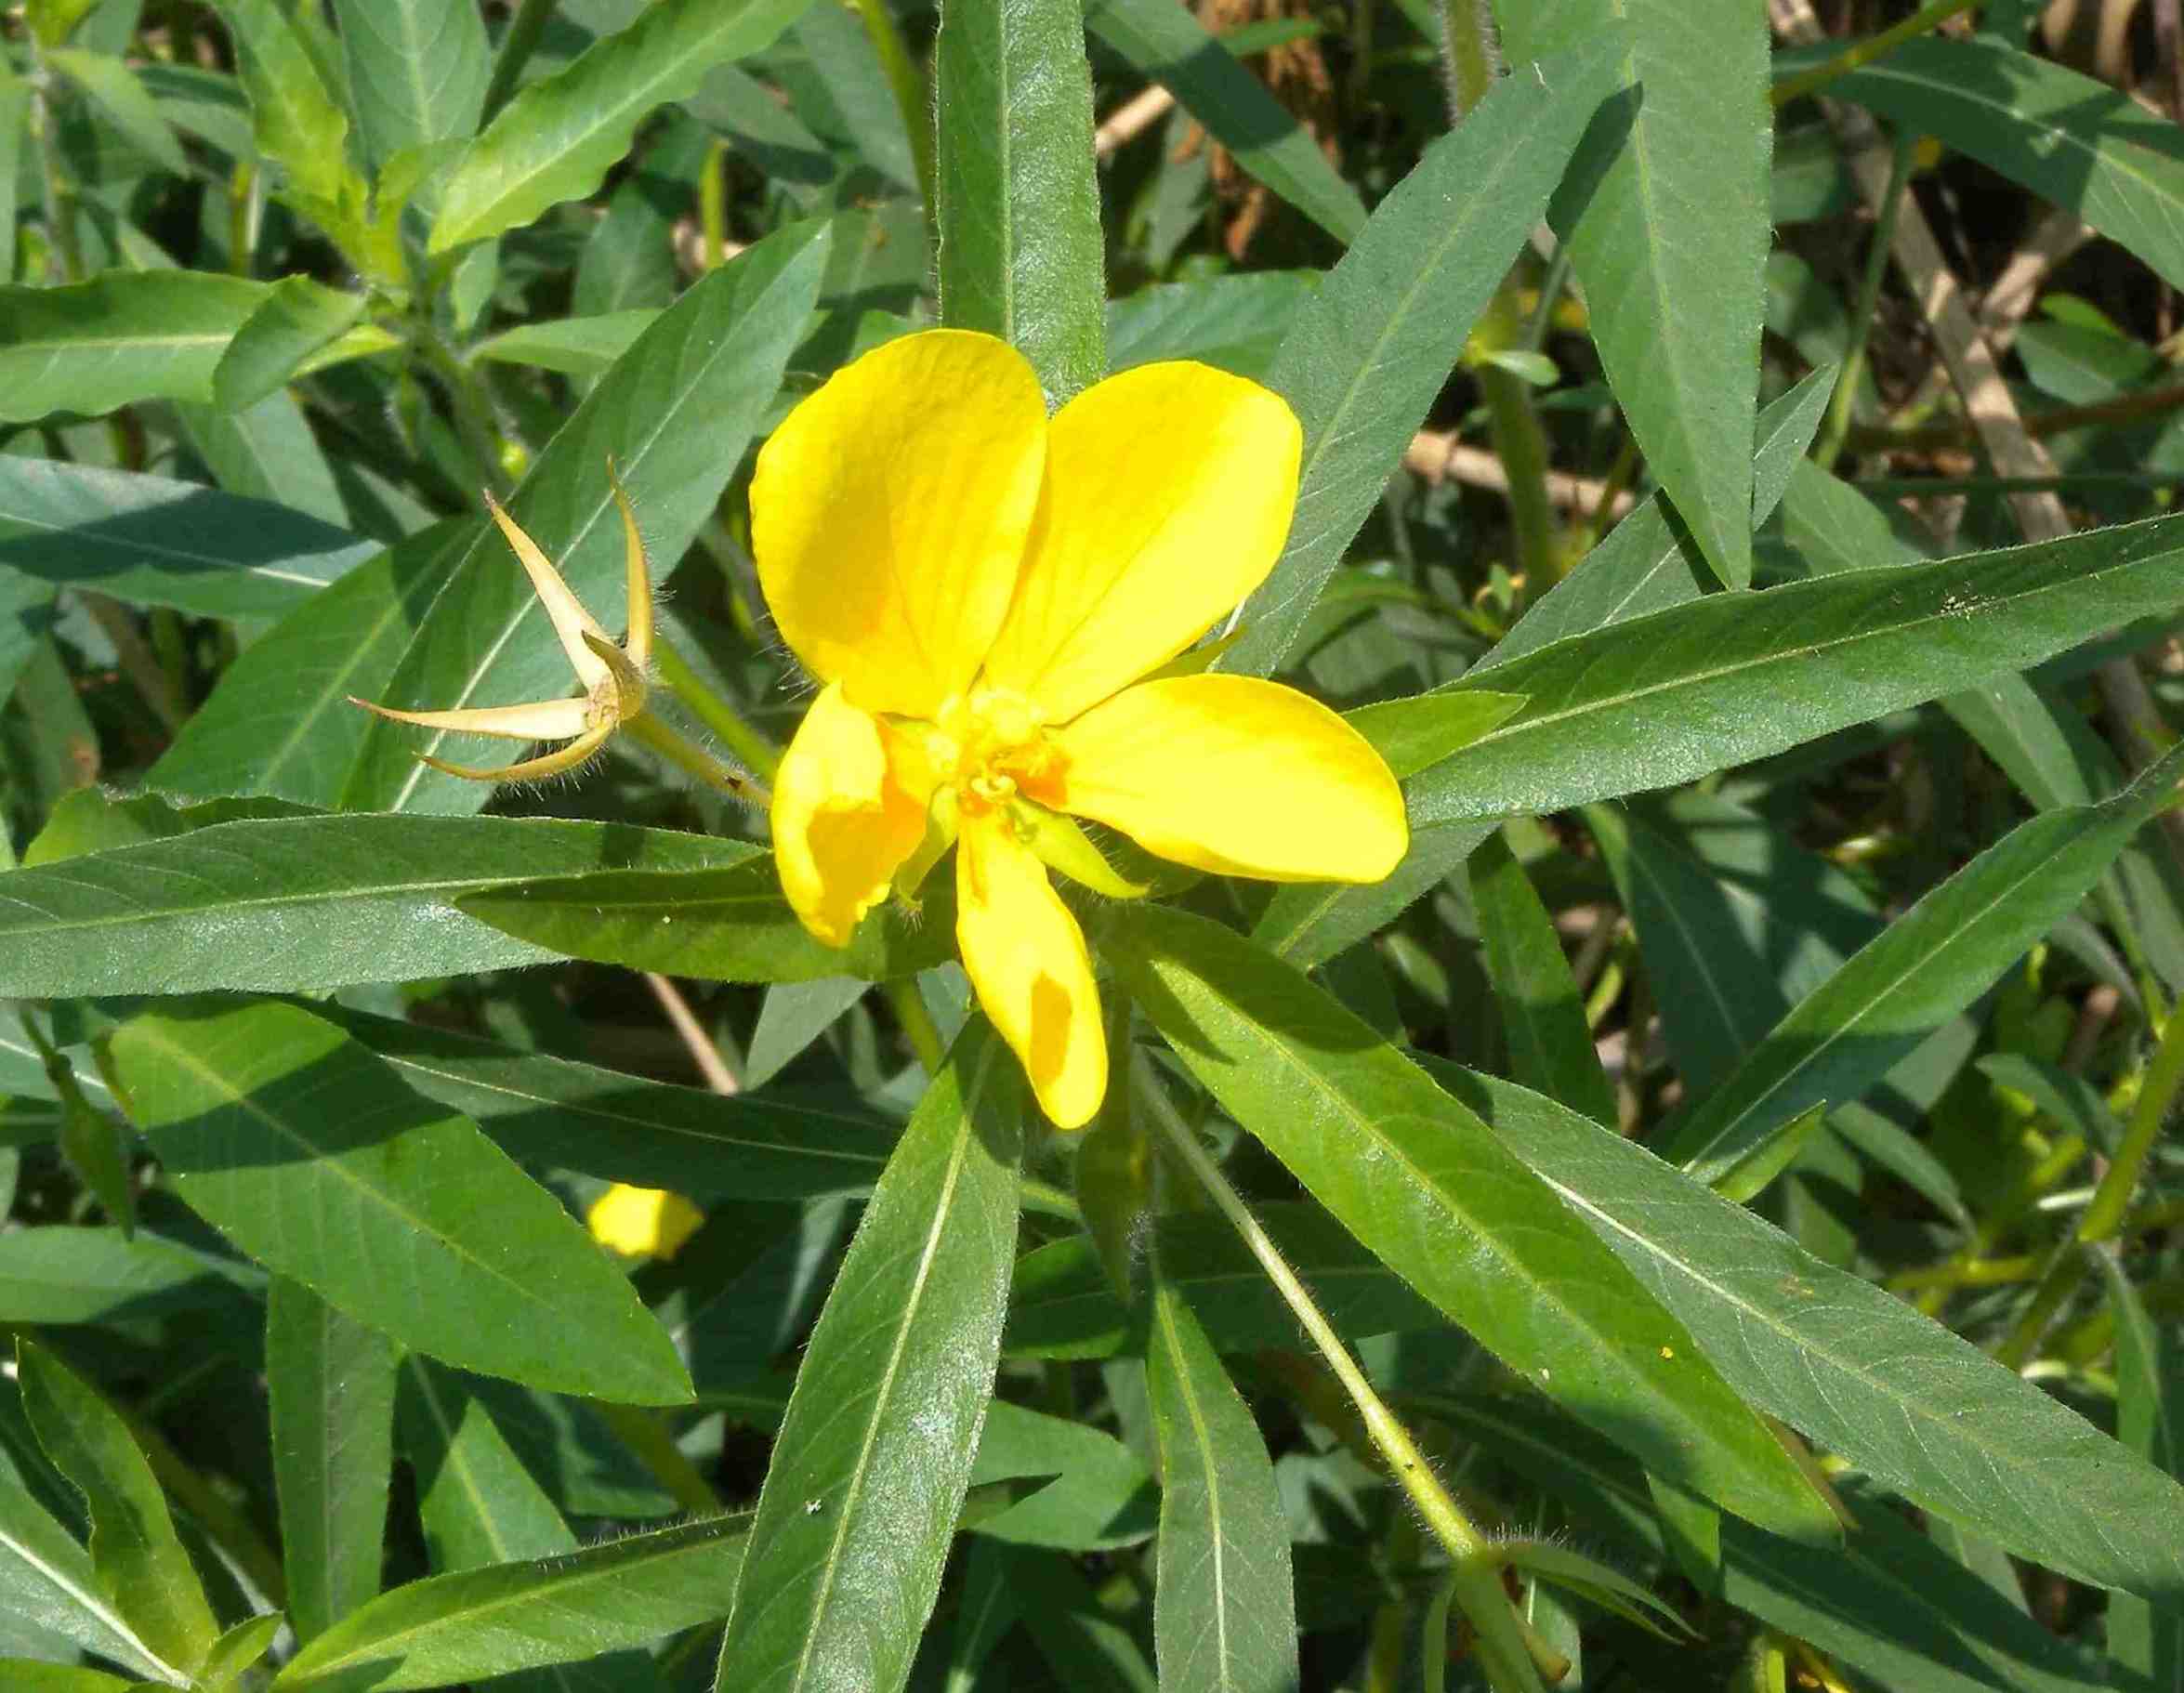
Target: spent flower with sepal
{"type": "Point", "coordinates": [988, 599]}
{"type": "Point", "coordinates": [613, 678]}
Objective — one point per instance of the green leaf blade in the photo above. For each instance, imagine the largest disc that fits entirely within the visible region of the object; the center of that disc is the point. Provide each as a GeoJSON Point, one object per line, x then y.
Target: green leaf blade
{"type": "Point", "coordinates": [138, 1558]}
{"type": "Point", "coordinates": [502, 1618]}
{"type": "Point", "coordinates": [1020, 249]}
{"type": "Point", "coordinates": [377, 1209]}
{"type": "Point", "coordinates": [123, 336]}
{"type": "Point", "coordinates": [296, 904]}
{"type": "Point", "coordinates": [874, 1453]}
{"type": "Point", "coordinates": [1681, 693]}
{"type": "Point", "coordinates": [1433, 1194]}
{"type": "Point", "coordinates": [1668, 222]}
{"type": "Point", "coordinates": [558, 137]}
{"type": "Point", "coordinates": [1370, 350]}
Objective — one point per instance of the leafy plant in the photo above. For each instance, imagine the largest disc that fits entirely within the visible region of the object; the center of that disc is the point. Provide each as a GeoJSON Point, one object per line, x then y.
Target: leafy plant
{"type": "Point", "coordinates": [596, 1217]}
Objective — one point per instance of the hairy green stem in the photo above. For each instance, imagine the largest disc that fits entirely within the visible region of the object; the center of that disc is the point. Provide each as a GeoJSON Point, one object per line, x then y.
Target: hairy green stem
{"type": "Point", "coordinates": [2103, 1218]}
{"type": "Point", "coordinates": [468, 403]}
{"type": "Point", "coordinates": [645, 1435]}
{"type": "Point", "coordinates": [684, 682]}
{"type": "Point", "coordinates": [647, 727]}
{"type": "Point", "coordinates": [1405, 1462]}
{"type": "Point", "coordinates": [918, 1023]}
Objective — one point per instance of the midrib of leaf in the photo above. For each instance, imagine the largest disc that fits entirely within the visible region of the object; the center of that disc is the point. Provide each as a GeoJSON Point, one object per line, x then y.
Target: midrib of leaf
{"type": "Point", "coordinates": [611, 113]}
{"type": "Point", "coordinates": [2058, 137]}
{"type": "Point", "coordinates": [546, 1101]}
{"type": "Point", "coordinates": [417, 1224]}
{"type": "Point", "coordinates": [1911, 1407]}
{"type": "Point", "coordinates": [724, 346]}
{"type": "Point", "coordinates": [98, 1608]}
{"type": "Point", "coordinates": [1202, 1440]}
{"type": "Point", "coordinates": [1334, 434]}
{"type": "Point", "coordinates": [154, 549]}
{"type": "Point", "coordinates": [1783, 655]}
{"type": "Point", "coordinates": [1832, 1037]}
{"type": "Point", "coordinates": [242, 902]}
{"type": "Point", "coordinates": [830, 1567]}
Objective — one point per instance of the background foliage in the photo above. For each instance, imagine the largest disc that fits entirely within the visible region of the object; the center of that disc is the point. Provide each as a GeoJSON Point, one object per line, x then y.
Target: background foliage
{"type": "Point", "coordinates": [1705, 1220]}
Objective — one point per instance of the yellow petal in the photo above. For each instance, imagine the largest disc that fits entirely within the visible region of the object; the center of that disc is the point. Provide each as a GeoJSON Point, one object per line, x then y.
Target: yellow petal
{"type": "Point", "coordinates": [642, 1221]}
{"type": "Point", "coordinates": [842, 819]}
{"type": "Point", "coordinates": [1236, 775]}
{"type": "Point", "coordinates": [1026, 957]}
{"type": "Point", "coordinates": [889, 514]}
{"type": "Point", "coordinates": [539, 720]}
{"type": "Point", "coordinates": [1168, 495]}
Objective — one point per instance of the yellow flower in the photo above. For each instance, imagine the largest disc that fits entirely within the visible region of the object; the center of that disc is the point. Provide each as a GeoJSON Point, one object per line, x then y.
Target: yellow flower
{"type": "Point", "coordinates": [641, 1221]}
{"type": "Point", "coordinates": [613, 678]}
{"type": "Point", "coordinates": [978, 588]}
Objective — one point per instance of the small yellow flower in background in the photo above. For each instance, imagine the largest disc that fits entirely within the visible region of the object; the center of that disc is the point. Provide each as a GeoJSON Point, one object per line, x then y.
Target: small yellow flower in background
{"type": "Point", "coordinates": [614, 678]}
{"type": "Point", "coordinates": [978, 588]}
{"type": "Point", "coordinates": [643, 1222]}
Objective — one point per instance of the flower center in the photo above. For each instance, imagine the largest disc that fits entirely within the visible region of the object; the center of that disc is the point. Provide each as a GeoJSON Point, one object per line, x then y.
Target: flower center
{"type": "Point", "coordinates": [991, 746]}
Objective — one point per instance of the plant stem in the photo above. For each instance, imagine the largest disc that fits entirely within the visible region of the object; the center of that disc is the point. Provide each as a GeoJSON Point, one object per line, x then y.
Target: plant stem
{"type": "Point", "coordinates": [518, 44]}
{"type": "Point", "coordinates": [60, 199]}
{"type": "Point", "coordinates": [1442, 1514]}
{"type": "Point", "coordinates": [1841, 402]}
{"type": "Point", "coordinates": [670, 744]}
{"type": "Point", "coordinates": [918, 1023]}
{"type": "Point", "coordinates": [1866, 51]}
{"type": "Point", "coordinates": [2103, 1219]}
{"type": "Point", "coordinates": [715, 712]}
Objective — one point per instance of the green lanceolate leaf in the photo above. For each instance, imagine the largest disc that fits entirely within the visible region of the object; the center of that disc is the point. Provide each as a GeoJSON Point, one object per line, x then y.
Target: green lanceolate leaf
{"type": "Point", "coordinates": [123, 336]}
{"type": "Point", "coordinates": [1543, 1013]}
{"type": "Point", "coordinates": [297, 903]}
{"type": "Point", "coordinates": [139, 1561]}
{"type": "Point", "coordinates": [1668, 223]}
{"type": "Point", "coordinates": [279, 722]}
{"type": "Point", "coordinates": [506, 1617]}
{"type": "Point", "coordinates": [1663, 698]}
{"type": "Point", "coordinates": [560, 136]}
{"type": "Point", "coordinates": [1855, 1369]}
{"type": "Point", "coordinates": [292, 323]}
{"type": "Point", "coordinates": [417, 71]}
{"type": "Point", "coordinates": [393, 1209]}
{"type": "Point", "coordinates": [874, 1453]}
{"type": "Point", "coordinates": [675, 414]}
{"type": "Point", "coordinates": [121, 98]}
{"type": "Point", "coordinates": [297, 121]}
{"type": "Point", "coordinates": [2075, 143]}
{"type": "Point", "coordinates": [59, 1274]}
{"type": "Point", "coordinates": [1432, 1192]}
{"type": "Point", "coordinates": [1649, 562]}
{"type": "Point", "coordinates": [1097, 1493]}
{"type": "Point", "coordinates": [2144, 1638]}
{"type": "Point", "coordinates": [1169, 46]}
{"type": "Point", "coordinates": [1224, 1608]}
{"type": "Point", "coordinates": [623, 1128]}
{"type": "Point", "coordinates": [733, 924]}
{"type": "Point", "coordinates": [1309, 923]}
{"type": "Point", "coordinates": [1416, 733]}
{"type": "Point", "coordinates": [1231, 323]}
{"type": "Point", "coordinates": [330, 1380]}
{"type": "Point", "coordinates": [47, 1581]}
{"type": "Point", "coordinates": [150, 541]}
{"type": "Point", "coordinates": [1019, 209]}
{"type": "Point", "coordinates": [1371, 348]}
{"type": "Point", "coordinates": [1920, 971]}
